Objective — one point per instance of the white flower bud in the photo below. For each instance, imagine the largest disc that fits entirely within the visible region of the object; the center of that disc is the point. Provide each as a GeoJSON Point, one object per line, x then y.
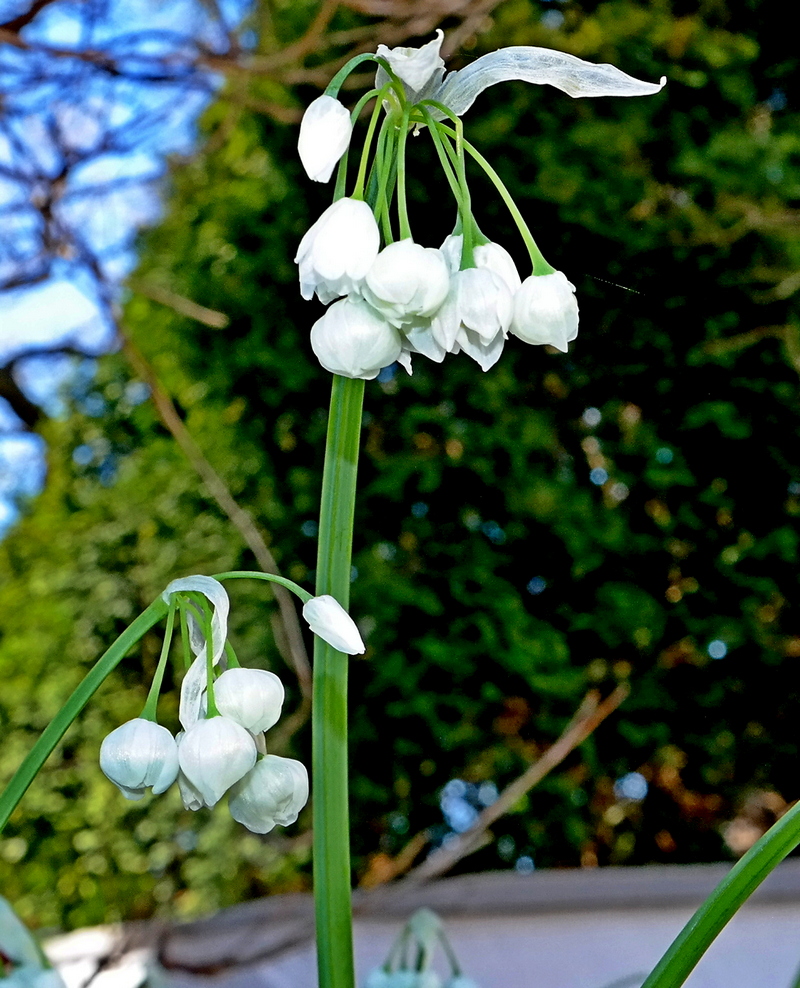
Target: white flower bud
{"type": "Point", "coordinates": [325, 133]}
{"type": "Point", "coordinates": [251, 697]}
{"type": "Point", "coordinates": [327, 618]}
{"type": "Point", "coordinates": [353, 340]}
{"type": "Point", "coordinates": [546, 311]}
{"type": "Point", "coordinates": [407, 282]}
{"type": "Point", "coordinates": [214, 754]}
{"type": "Point", "coordinates": [273, 792]}
{"type": "Point", "coordinates": [137, 755]}
{"type": "Point", "coordinates": [338, 250]}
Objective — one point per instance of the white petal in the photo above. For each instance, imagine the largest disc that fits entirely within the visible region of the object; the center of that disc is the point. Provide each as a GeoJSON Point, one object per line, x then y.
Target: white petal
{"type": "Point", "coordinates": [330, 621]}
{"type": "Point", "coordinates": [251, 697]}
{"type": "Point", "coordinates": [420, 69]}
{"type": "Point", "coordinates": [542, 66]}
{"type": "Point", "coordinates": [273, 792]}
{"type": "Point", "coordinates": [214, 754]}
{"type": "Point", "coordinates": [137, 755]}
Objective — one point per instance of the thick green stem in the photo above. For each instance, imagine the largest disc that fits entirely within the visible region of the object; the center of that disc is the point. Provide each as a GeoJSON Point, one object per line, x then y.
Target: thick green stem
{"type": "Point", "coordinates": [81, 695]}
{"type": "Point", "coordinates": [329, 710]}
{"type": "Point", "coordinates": [743, 879]}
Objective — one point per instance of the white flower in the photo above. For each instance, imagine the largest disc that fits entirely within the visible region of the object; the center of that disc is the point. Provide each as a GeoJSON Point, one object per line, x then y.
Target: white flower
{"type": "Point", "coordinates": [330, 621]}
{"type": "Point", "coordinates": [475, 316]}
{"type": "Point", "coordinates": [546, 311]}
{"type": "Point", "coordinates": [273, 792]}
{"type": "Point", "coordinates": [353, 340]}
{"type": "Point", "coordinates": [214, 754]}
{"type": "Point", "coordinates": [492, 256]}
{"type": "Point", "coordinates": [338, 250]}
{"type": "Point", "coordinates": [459, 981]}
{"type": "Point", "coordinates": [137, 755]}
{"type": "Point", "coordinates": [379, 977]}
{"type": "Point", "coordinates": [195, 680]}
{"type": "Point", "coordinates": [419, 69]}
{"type": "Point", "coordinates": [251, 697]}
{"type": "Point", "coordinates": [407, 282]}
{"type": "Point", "coordinates": [325, 133]}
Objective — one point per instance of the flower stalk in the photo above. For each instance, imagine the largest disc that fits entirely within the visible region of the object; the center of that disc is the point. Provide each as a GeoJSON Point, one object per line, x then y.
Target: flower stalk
{"type": "Point", "coordinates": [329, 711]}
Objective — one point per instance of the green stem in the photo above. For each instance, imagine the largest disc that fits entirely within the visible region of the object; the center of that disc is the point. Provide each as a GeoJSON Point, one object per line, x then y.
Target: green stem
{"type": "Point", "coordinates": [402, 204]}
{"type": "Point", "coordinates": [743, 879]}
{"type": "Point", "coordinates": [151, 705]}
{"type": "Point", "coordinates": [540, 265]}
{"type": "Point", "coordinates": [329, 708]}
{"type": "Point", "coordinates": [81, 695]}
{"type": "Point", "coordinates": [243, 574]}
{"type": "Point", "coordinates": [358, 192]}
{"type": "Point", "coordinates": [211, 706]}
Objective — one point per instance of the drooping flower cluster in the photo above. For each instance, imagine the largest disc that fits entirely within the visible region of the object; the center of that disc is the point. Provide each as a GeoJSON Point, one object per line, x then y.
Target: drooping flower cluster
{"type": "Point", "coordinates": [224, 713]}
{"type": "Point", "coordinates": [409, 962]}
{"type": "Point", "coordinates": [466, 295]}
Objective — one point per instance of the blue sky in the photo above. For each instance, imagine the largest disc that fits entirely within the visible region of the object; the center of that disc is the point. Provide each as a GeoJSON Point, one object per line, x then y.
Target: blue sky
{"type": "Point", "coordinates": [110, 195]}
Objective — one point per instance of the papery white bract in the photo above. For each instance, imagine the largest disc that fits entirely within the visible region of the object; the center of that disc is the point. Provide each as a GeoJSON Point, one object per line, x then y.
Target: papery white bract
{"type": "Point", "coordinates": [338, 250]}
{"type": "Point", "coordinates": [330, 621]}
{"type": "Point", "coordinates": [540, 66]}
{"type": "Point", "coordinates": [251, 697]}
{"type": "Point", "coordinates": [196, 678]}
{"type": "Point", "coordinates": [273, 792]}
{"type": "Point", "coordinates": [214, 754]}
{"type": "Point", "coordinates": [546, 311]}
{"type": "Point", "coordinates": [354, 340]}
{"type": "Point", "coordinates": [137, 755]}
{"type": "Point", "coordinates": [407, 282]}
{"type": "Point", "coordinates": [325, 132]}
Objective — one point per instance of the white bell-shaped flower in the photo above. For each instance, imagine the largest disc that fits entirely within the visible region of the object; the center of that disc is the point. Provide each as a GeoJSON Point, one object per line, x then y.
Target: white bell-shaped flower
{"type": "Point", "coordinates": [546, 311]}
{"type": "Point", "coordinates": [214, 754]}
{"type": "Point", "coordinates": [330, 621]}
{"type": "Point", "coordinates": [353, 340]}
{"type": "Point", "coordinates": [273, 792]}
{"type": "Point", "coordinates": [407, 282]}
{"type": "Point", "coordinates": [475, 316]}
{"type": "Point", "coordinates": [140, 754]}
{"type": "Point", "coordinates": [338, 250]}
{"type": "Point", "coordinates": [490, 255]}
{"type": "Point", "coordinates": [325, 133]}
{"type": "Point", "coordinates": [251, 697]}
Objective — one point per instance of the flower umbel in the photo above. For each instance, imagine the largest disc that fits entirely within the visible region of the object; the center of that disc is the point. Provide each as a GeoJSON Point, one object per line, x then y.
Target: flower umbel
{"type": "Point", "coordinates": [472, 303]}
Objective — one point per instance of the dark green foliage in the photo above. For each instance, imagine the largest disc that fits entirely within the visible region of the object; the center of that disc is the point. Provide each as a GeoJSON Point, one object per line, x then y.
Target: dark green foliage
{"type": "Point", "coordinates": [496, 582]}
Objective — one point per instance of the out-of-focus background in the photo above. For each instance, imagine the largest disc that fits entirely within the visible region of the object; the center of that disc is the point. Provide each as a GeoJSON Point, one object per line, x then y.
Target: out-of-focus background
{"type": "Point", "coordinates": [622, 515]}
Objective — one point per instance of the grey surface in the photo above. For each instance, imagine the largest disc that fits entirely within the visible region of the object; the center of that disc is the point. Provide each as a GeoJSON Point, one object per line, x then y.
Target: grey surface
{"type": "Point", "coordinates": [558, 929]}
